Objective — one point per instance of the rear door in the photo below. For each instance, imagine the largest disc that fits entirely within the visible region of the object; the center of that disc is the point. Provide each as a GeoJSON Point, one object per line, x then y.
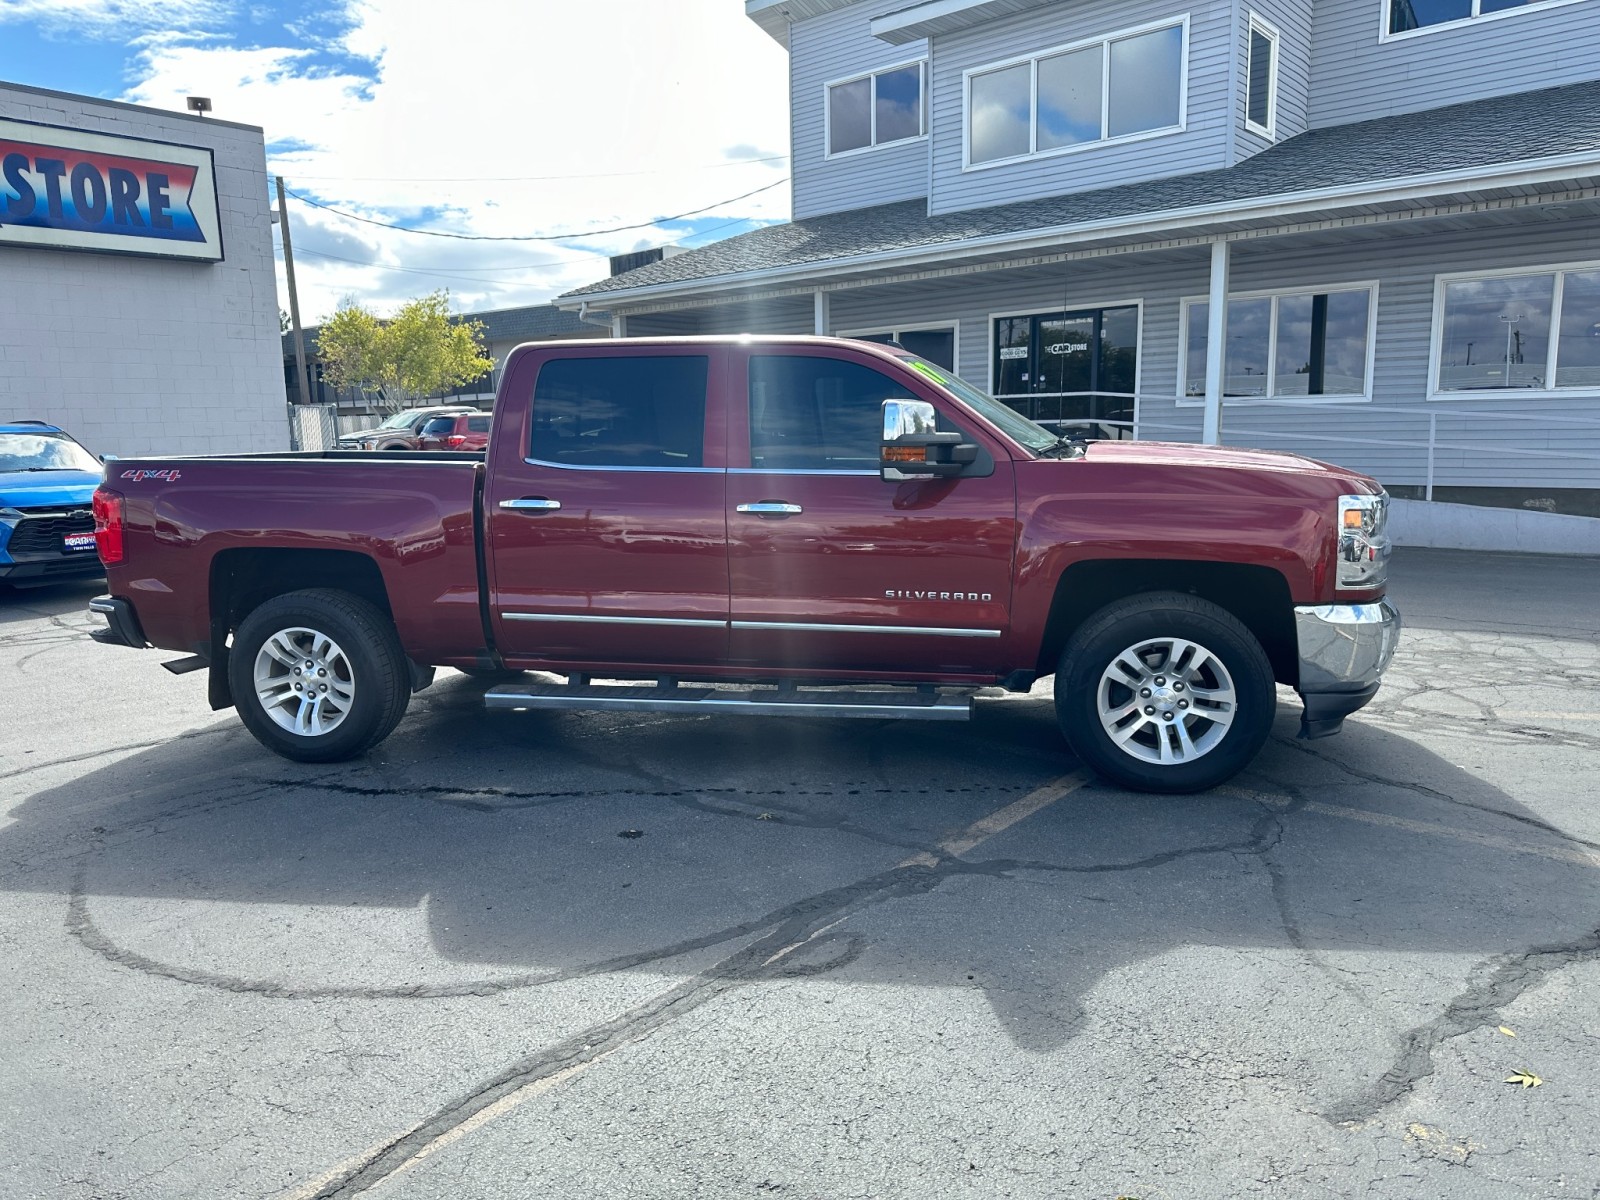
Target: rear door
{"type": "Point", "coordinates": [605, 508]}
{"type": "Point", "coordinates": [835, 570]}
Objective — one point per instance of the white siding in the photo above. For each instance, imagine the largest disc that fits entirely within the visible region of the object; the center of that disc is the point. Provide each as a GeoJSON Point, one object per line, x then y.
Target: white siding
{"type": "Point", "coordinates": [139, 356]}
{"type": "Point", "coordinates": [1201, 146]}
{"type": "Point", "coordinates": [823, 50]}
{"type": "Point", "coordinates": [1355, 76]}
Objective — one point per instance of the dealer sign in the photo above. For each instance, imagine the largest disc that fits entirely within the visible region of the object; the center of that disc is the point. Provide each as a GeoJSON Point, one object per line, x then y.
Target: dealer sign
{"type": "Point", "coordinates": [69, 189]}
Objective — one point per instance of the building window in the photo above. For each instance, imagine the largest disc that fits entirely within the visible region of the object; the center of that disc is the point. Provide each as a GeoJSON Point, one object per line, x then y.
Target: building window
{"type": "Point", "coordinates": [937, 345]}
{"type": "Point", "coordinates": [1261, 80]}
{"type": "Point", "coordinates": [1127, 85]}
{"type": "Point", "coordinates": [1536, 331]}
{"type": "Point", "coordinates": [1408, 15]}
{"type": "Point", "coordinates": [876, 110]}
{"type": "Point", "coordinates": [1287, 345]}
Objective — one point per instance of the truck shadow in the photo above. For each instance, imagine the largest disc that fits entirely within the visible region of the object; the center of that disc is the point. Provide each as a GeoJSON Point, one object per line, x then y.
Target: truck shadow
{"type": "Point", "coordinates": [475, 854]}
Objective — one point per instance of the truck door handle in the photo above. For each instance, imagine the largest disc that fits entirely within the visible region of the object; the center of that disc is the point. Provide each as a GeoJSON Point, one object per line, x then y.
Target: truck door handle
{"type": "Point", "coordinates": [532, 504]}
{"type": "Point", "coordinates": [770, 508]}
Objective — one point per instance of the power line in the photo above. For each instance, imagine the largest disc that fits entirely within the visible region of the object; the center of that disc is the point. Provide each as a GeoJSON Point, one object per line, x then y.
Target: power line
{"type": "Point", "coordinates": [479, 278]}
{"type": "Point", "coordinates": [741, 162]}
{"type": "Point", "coordinates": [542, 237]}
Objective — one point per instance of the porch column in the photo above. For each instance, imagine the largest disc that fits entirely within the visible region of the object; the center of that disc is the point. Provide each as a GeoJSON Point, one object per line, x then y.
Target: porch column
{"type": "Point", "coordinates": [619, 326]}
{"type": "Point", "coordinates": [819, 310]}
{"type": "Point", "coordinates": [1216, 342]}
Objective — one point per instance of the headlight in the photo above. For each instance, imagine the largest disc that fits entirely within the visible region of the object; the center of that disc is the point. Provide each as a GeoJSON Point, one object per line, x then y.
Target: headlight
{"type": "Point", "coordinates": [1363, 542]}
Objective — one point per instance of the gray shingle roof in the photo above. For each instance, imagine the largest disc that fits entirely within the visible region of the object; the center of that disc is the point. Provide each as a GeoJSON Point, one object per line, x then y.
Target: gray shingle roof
{"type": "Point", "coordinates": [1489, 134]}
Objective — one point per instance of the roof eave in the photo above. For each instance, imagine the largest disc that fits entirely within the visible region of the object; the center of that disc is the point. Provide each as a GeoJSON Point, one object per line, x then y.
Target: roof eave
{"type": "Point", "coordinates": [1287, 204]}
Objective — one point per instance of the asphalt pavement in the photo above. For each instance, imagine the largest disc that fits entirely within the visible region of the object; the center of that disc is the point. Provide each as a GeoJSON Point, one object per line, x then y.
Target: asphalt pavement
{"type": "Point", "coordinates": [578, 954]}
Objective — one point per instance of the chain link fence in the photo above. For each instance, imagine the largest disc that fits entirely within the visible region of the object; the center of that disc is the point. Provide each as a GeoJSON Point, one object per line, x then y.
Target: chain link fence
{"type": "Point", "coordinates": [313, 427]}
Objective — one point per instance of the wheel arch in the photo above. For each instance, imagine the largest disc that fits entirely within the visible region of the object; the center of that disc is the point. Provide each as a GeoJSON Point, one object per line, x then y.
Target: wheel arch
{"type": "Point", "coordinates": [1258, 596]}
{"type": "Point", "coordinates": [242, 579]}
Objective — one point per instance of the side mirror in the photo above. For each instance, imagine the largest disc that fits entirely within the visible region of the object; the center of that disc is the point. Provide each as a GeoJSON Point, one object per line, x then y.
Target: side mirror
{"type": "Point", "coordinates": [913, 448]}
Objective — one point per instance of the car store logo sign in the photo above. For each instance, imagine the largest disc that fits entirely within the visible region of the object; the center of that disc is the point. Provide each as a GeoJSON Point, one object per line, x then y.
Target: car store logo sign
{"type": "Point", "coordinates": [69, 189]}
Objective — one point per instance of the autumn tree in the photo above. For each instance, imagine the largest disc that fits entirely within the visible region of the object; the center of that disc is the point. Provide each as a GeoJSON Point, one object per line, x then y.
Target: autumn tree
{"type": "Point", "coordinates": [417, 352]}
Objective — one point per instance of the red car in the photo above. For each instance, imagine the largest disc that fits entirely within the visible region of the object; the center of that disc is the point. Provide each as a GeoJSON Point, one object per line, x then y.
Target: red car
{"type": "Point", "coordinates": [458, 431]}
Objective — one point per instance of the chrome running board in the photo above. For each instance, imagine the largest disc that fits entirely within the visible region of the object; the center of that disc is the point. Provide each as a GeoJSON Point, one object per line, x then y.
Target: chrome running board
{"type": "Point", "coordinates": [920, 704]}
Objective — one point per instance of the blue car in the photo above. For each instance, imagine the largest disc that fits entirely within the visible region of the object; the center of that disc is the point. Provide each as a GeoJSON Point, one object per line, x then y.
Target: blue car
{"type": "Point", "coordinates": [47, 481]}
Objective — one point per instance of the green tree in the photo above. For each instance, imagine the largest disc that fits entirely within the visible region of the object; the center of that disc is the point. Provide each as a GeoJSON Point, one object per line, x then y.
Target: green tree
{"type": "Point", "coordinates": [417, 352]}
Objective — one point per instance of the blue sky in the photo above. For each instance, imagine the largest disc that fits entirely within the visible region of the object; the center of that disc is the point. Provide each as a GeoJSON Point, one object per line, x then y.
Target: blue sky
{"type": "Point", "coordinates": [509, 119]}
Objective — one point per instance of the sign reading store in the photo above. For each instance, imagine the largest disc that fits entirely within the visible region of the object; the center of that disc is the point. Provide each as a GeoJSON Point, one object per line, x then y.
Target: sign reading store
{"type": "Point", "coordinates": [69, 189]}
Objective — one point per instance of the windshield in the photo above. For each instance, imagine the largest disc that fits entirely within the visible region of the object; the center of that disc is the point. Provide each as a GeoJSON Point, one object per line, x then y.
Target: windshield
{"type": "Point", "coordinates": [402, 420]}
{"type": "Point", "coordinates": [44, 452]}
{"type": "Point", "coordinates": [1008, 420]}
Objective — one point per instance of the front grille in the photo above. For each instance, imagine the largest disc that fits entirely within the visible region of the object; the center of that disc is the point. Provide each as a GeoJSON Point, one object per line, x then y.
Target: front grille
{"type": "Point", "coordinates": [45, 533]}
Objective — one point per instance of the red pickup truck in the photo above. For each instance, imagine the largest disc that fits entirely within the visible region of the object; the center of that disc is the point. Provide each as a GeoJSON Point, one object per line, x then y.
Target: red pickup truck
{"type": "Point", "coordinates": [785, 526]}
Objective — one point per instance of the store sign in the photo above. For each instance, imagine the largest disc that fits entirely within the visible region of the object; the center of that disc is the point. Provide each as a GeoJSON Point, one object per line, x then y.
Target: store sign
{"type": "Point", "coordinates": [73, 190]}
{"type": "Point", "coordinates": [1066, 348]}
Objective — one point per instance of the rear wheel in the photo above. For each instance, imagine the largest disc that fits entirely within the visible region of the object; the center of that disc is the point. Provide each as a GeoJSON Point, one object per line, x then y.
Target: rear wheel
{"type": "Point", "coordinates": [1165, 692]}
{"type": "Point", "coordinates": [318, 675]}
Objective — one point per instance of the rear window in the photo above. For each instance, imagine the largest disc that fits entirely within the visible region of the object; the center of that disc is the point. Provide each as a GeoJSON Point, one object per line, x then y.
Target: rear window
{"type": "Point", "coordinates": [435, 426]}
{"type": "Point", "coordinates": [632, 411]}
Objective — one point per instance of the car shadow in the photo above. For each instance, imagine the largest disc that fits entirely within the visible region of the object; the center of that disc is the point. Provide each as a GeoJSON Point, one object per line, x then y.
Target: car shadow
{"type": "Point", "coordinates": [477, 853]}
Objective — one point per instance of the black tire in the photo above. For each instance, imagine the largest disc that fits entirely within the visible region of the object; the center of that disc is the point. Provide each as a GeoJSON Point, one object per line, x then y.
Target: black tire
{"type": "Point", "coordinates": [1146, 620]}
{"type": "Point", "coordinates": [371, 657]}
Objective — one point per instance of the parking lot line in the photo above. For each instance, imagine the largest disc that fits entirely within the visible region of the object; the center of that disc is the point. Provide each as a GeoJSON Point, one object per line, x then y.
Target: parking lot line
{"type": "Point", "coordinates": [959, 843]}
{"type": "Point", "coordinates": [1003, 819]}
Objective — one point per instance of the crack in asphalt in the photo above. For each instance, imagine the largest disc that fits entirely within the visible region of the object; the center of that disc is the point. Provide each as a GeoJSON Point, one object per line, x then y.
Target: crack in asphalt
{"type": "Point", "coordinates": [1500, 981]}
{"type": "Point", "coordinates": [1530, 821]}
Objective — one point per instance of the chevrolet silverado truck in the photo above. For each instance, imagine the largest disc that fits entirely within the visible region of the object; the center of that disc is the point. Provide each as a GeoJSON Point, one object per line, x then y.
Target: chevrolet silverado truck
{"type": "Point", "coordinates": [786, 526]}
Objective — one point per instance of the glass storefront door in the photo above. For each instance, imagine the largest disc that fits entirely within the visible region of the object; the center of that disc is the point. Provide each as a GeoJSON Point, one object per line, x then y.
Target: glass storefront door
{"type": "Point", "coordinates": [1075, 368]}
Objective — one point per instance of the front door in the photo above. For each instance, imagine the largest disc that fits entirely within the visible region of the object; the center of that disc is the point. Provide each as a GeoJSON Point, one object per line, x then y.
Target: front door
{"type": "Point", "coordinates": [1075, 369]}
{"type": "Point", "coordinates": [834, 570]}
{"type": "Point", "coordinates": [605, 510]}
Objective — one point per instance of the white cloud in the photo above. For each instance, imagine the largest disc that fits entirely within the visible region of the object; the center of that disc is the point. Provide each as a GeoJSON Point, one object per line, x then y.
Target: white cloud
{"type": "Point", "coordinates": [500, 118]}
{"type": "Point", "coordinates": [109, 17]}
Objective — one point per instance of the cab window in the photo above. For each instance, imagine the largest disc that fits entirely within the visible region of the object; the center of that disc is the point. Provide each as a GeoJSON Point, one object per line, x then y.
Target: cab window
{"type": "Point", "coordinates": [628, 411]}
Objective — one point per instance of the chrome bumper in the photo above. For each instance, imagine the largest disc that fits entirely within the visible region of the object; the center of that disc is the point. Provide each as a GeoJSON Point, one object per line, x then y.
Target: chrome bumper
{"type": "Point", "coordinates": [1344, 649]}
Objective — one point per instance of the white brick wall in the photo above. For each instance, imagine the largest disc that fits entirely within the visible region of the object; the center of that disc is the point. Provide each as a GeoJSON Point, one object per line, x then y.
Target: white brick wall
{"type": "Point", "coordinates": [139, 356]}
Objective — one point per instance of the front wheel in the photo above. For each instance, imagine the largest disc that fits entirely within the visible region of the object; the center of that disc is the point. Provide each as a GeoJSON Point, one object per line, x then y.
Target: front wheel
{"type": "Point", "coordinates": [1165, 692]}
{"type": "Point", "coordinates": [318, 675]}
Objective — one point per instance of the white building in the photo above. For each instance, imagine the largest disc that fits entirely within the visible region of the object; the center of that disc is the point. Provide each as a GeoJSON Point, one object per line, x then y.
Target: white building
{"type": "Point", "coordinates": [138, 306]}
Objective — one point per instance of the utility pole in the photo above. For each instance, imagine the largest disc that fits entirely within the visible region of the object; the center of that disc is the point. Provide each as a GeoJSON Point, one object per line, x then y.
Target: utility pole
{"type": "Point", "coordinates": [294, 299]}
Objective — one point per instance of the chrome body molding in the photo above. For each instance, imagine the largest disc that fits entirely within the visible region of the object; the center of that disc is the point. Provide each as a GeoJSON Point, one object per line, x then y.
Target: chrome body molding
{"type": "Point", "coordinates": [555, 466]}
{"type": "Point", "coordinates": [585, 618]}
{"type": "Point", "coordinates": [825, 627]}
{"type": "Point", "coordinates": [778, 626]}
{"type": "Point", "coordinates": [1345, 647]}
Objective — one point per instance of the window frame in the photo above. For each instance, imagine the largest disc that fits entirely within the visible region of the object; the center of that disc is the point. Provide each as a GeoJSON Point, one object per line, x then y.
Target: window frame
{"type": "Point", "coordinates": [1258, 23]}
{"type": "Point", "coordinates": [895, 328]}
{"type": "Point", "coordinates": [1552, 371]}
{"type": "Point", "coordinates": [1477, 17]}
{"type": "Point", "coordinates": [1371, 286]}
{"type": "Point", "coordinates": [872, 109]}
{"type": "Point", "coordinates": [1105, 41]}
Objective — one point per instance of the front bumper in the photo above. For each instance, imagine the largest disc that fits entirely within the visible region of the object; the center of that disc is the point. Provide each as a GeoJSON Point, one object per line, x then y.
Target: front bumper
{"type": "Point", "coordinates": [1344, 649]}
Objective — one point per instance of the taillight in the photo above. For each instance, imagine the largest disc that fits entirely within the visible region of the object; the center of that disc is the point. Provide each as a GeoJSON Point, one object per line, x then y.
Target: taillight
{"type": "Point", "coordinates": [455, 441]}
{"type": "Point", "coordinates": [108, 525]}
